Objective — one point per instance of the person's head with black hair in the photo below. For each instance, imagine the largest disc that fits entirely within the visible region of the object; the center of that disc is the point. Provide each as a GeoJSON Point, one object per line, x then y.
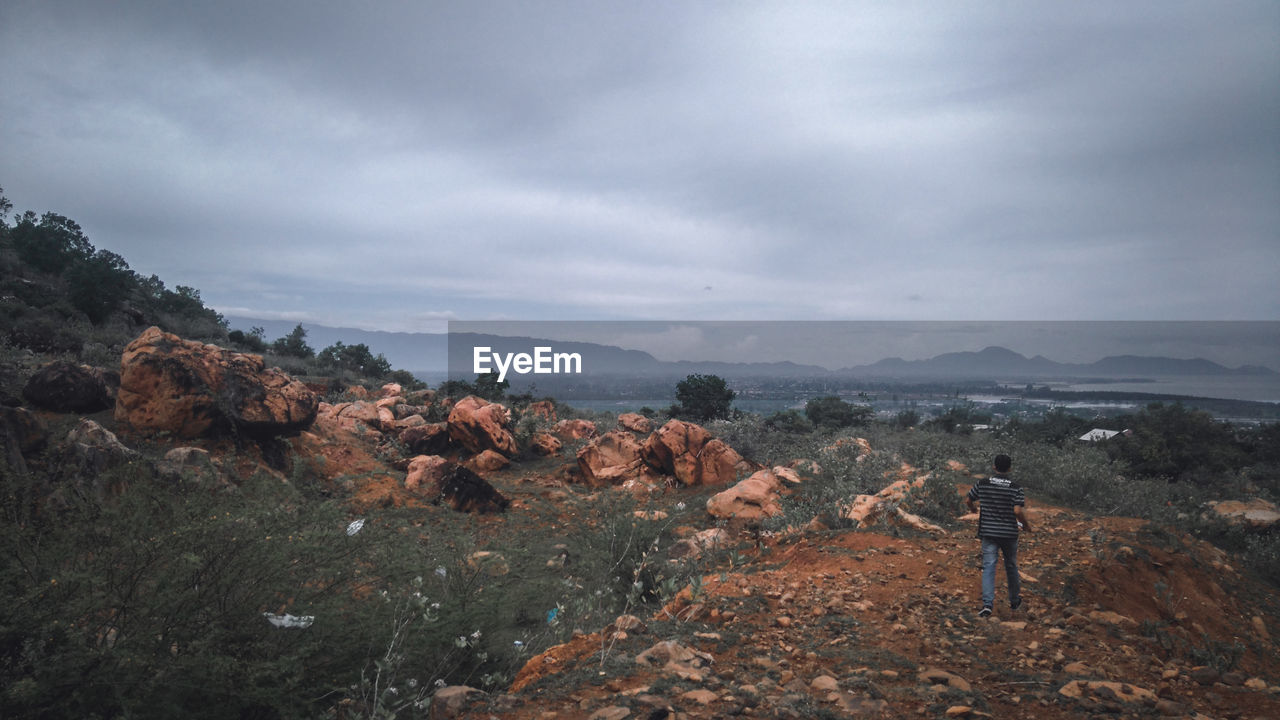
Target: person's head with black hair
{"type": "Point", "coordinates": [1003, 463]}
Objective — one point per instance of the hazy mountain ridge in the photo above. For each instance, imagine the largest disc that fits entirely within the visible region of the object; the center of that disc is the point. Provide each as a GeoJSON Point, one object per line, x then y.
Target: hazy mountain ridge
{"type": "Point", "coordinates": [429, 352]}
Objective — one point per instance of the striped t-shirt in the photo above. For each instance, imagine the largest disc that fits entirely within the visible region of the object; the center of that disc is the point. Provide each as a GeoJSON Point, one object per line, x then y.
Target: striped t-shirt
{"type": "Point", "coordinates": [996, 497]}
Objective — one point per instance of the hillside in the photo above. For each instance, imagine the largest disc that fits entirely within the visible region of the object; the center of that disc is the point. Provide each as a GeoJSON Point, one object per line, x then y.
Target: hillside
{"type": "Point", "coordinates": [405, 545]}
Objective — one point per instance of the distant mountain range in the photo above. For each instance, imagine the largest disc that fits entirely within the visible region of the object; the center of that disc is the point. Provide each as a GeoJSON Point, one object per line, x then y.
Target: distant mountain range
{"type": "Point", "coordinates": [433, 353]}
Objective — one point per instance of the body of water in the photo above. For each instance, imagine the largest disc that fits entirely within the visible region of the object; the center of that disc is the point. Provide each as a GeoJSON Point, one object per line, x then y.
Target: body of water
{"type": "Point", "coordinates": [1262, 388]}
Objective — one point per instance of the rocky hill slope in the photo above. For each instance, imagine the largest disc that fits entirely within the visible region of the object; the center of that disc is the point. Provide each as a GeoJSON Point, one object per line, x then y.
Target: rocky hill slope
{"type": "Point", "coordinates": [866, 611]}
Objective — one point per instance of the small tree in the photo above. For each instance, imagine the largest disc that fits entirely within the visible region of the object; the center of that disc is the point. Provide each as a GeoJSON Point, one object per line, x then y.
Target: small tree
{"type": "Point", "coordinates": [356, 358]}
{"type": "Point", "coordinates": [489, 387]}
{"type": "Point", "coordinates": [704, 397]}
{"type": "Point", "coordinates": [99, 284]}
{"type": "Point", "coordinates": [49, 244]}
{"type": "Point", "coordinates": [833, 412]}
{"type": "Point", "coordinates": [251, 341]}
{"type": "Point", "coordinates": [294, 344]}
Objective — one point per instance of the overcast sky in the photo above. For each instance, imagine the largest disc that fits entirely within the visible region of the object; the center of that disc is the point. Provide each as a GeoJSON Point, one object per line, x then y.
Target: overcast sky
{"type": "Point", "coordinates": [392, 165]}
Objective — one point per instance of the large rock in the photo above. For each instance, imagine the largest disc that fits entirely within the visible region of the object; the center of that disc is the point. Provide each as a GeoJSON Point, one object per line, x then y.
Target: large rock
{"type": "Point", "coordinates": [188, 463]}
{"type": "Point", "coordinates": [575, 429]}
{"type": "Point", "coordinates": [451, 701]}
{"type": "Point", "coordinates": [188, 389]}
{"type": "Point", "coordinates": [466, 491]}
{"type": "Point", "coordinates": [866, 510]}
{"type": "Point", "coordinates": [489, 461]}
{"type": "Point", "coordinates": [357, 416]}
{"type": "Point", "coordinates": [610, 458]}
{"type": "Point", "coordinates": [689, 453]}
{"type": "Point", "coordinates": [425, 474]}
{"type": "Point", "coordinates": [428, 439]}
{"type": "Point", "coordinates": [755, 498]}
{"type": "Point", "coordinates": [479, 425]}
{"type": "Point", "coordinates": [86, 456]}
{"type": "Point", "coordinates": [635, 422]}
{"type": "Point", "coordinates": [545, 444]}
{"type": "Point", "coordinates": [66, 387]}
{"type": "Point", "coordinates": [544, 409]}
{"type": "Point", "coordinates": [1256, 514]}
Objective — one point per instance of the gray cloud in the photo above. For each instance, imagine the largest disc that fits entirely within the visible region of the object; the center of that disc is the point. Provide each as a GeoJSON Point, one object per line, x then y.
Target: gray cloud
{"type": "Point", "coordinates": [393, 164]}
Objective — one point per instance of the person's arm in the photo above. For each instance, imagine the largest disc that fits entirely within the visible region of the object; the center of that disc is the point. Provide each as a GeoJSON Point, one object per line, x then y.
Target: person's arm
{"type": "Point", "coordinates": [1020, 512]}
{"type": "Point", "coordinates": [973, 506]}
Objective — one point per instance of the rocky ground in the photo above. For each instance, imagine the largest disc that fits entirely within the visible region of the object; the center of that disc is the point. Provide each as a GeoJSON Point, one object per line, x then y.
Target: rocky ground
{"type": "Point", "coordinates": [1122, 618]}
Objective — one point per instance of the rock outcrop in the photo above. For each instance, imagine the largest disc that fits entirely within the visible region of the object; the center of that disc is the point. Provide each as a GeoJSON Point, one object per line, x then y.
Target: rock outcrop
{"type": "Point", "coordinates": [425, 474]}
{"type": "Point", "coordinates": [635, 422]}
{"type": "Point", "coordinates": [865, 510]}
{"type": "Point", "coordinates": [66, 387]}
{"type": "Point", "coordinates": [575, 429]}
{"type": "Point", "coordinates": [466, 491]}
{"type": "Point", "coordinates": [478, 425]}
{"type": "Point", "coordinates": [1256, 514]}
{"type": "Point", "coordinates": [689, 453]}
{"type": "Point", "coordinates": [755, 498]}
{"type": "Point", "coordinates": [545, 444]}
{"type": "Point", "coordinates": [426, 439]}
{"type": "Point", "coordinates": [189, 389]}
{"type": "Point", "coordinates": [610, 459]}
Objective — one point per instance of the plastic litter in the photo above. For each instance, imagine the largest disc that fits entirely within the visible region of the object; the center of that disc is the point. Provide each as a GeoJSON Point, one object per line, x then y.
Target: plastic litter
{"type": "Point", "coordinates": [289, 621]}
{"type": "Point", "coordinates": [355, 526]}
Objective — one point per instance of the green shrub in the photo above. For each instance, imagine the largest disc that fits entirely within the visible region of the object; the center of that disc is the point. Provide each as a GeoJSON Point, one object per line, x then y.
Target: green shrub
{"type": "Point", "coordinates": [703, 397]}
{"type": "Point", "coordinates": [833, 412]}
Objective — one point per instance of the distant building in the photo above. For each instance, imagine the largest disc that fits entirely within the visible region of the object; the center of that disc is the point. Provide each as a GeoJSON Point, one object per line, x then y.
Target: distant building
{"type": "Point", "coordinates": [1097, 434]}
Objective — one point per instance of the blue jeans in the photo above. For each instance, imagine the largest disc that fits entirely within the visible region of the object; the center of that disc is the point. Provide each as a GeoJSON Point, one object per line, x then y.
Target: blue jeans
{"type": "Point", "coordinates": [1009, 548]}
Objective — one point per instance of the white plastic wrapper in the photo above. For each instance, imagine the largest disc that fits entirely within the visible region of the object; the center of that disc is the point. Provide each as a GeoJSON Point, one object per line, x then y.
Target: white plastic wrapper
{"type": "Point", "coordinates": [289, 621]}
{"type": "Point", "coordinates": [355, 526]}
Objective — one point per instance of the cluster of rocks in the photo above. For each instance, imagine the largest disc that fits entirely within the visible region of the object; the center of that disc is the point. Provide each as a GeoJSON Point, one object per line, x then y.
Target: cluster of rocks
{"type": "Point", "coordinates": [682, 451]}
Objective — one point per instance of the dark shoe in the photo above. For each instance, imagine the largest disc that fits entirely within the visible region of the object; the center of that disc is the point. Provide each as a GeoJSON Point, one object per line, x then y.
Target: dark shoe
{"type": "Point", "coordinates": [985, 612]}
{"type": "Point", "coordinates": [1015, 603]}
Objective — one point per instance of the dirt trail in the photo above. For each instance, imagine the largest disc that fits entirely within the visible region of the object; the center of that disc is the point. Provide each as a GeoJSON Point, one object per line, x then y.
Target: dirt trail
{"type": "Point", "coordinates": [1119, 619]}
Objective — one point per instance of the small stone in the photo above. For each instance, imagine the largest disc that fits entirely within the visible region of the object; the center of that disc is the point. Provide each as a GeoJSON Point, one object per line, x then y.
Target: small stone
{"type": "Point", "coordinates": [958, 711]}
{"type": "Point", "coordinates": [824, 683]}
{"type": "Point", "coordinates": [1260, 628]}
{"type": "Point", "coordinates": [1234, 679]}
{"type": "Point", "coordinates": [1204, 675]}
{"type": "Point", "coordinates": [1255, 684]}
{"type": "Point", "coordinates": [615, 712]}
{"type": "Point", "coordinates": [700, 696]}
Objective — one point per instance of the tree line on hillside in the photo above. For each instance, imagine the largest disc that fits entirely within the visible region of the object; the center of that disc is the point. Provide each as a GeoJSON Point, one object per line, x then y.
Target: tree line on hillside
{"type": "Point", "coordinates": [61, 294]}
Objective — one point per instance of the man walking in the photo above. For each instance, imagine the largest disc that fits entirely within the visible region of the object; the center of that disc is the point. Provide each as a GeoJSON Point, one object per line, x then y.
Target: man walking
{"type": "Point", "coordinates": [1001, 507]}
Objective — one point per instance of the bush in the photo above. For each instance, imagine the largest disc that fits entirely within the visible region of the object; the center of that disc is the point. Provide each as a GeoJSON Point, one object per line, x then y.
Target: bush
{"type": "Point", "coordinates": [151, 605]}
{"type": "Point", "coordinates": [46, 333]}
{"type": "Point", "coordinates": [789, 421]}
{"type": "Point", "coordinates": [833, 412]}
